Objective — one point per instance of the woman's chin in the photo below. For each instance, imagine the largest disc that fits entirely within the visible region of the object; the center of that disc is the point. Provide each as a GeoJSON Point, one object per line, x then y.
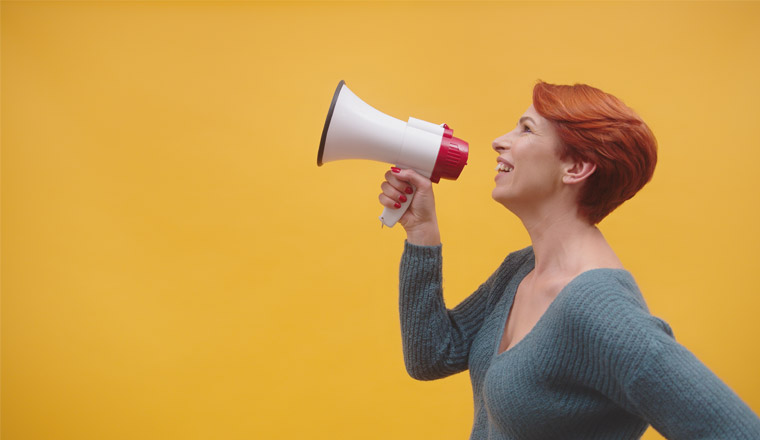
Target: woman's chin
{"type": "Point", "coordinates": [498, 195]}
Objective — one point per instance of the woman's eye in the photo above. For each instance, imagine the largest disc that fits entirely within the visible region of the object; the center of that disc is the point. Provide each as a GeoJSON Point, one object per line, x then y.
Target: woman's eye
{"type": "Point", "coordinates": [526, 129]}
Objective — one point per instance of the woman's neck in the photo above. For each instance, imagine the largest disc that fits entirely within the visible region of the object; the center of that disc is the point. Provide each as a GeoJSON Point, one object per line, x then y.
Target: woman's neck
{"type": "Point", "coordinates": [566, 245]}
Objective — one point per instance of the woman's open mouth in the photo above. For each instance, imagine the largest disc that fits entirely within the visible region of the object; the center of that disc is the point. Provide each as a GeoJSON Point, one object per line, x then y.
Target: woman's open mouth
{"type": "Point", "coordinates": [504, 168]}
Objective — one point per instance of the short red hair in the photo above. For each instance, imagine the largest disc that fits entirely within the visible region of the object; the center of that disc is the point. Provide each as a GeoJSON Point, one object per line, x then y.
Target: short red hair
{"type": "Point", "coordinates": [597, 127]}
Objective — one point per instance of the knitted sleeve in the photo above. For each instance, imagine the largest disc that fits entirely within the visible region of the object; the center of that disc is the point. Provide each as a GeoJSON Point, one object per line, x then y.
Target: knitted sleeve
{"type": "Point", "coordinates": [436, 340]}
{"type": "Point", "coordinates": [640, 365]}
{"type": "Point", "coordinates": [682, 399]}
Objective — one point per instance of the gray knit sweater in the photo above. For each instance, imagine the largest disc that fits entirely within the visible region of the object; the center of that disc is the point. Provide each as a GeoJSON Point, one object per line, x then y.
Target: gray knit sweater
{"type": "Point", "coordinates": [597, 365]}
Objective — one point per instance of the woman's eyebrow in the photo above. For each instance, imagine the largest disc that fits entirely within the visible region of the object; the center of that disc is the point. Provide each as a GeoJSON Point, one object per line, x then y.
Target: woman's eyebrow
{"type": "Point", "coordinates": [526, 118]}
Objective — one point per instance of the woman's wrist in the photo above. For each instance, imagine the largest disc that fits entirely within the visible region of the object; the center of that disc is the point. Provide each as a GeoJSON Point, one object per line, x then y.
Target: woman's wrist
{"type": "Point", "coordinates": [427, 235]}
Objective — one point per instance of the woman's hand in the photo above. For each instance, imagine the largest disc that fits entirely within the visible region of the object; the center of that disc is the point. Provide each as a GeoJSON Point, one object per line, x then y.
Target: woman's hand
{"type": "Point", "coordinates": [419, 221]}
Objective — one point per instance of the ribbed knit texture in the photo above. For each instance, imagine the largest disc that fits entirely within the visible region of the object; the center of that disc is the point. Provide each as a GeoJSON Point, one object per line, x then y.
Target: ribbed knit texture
{"type": "Point", "coordinates": [597, 365]}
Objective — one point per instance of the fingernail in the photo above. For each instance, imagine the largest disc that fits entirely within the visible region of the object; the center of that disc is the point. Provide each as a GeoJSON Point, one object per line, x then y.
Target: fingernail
{"type": "Point", "coordinates": [402, 198]}
{"type": "Point", "coordinates": [396, 170]}
{"type": "Point", "coordinates": [397, 205]}
{"type": "Point", "coordinates": [408, 190]}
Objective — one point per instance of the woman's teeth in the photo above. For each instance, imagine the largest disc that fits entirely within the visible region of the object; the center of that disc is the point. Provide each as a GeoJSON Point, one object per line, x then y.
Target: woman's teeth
{"type": "Point", "coordinates": [503, 168]}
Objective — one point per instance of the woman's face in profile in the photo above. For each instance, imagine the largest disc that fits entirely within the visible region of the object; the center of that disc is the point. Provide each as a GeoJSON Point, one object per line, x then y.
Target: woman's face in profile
{"type": "Point", "coordinates": [529, 167]}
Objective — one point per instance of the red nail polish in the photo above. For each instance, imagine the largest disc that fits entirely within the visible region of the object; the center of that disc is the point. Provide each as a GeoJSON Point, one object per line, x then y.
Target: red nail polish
{"type": "Point", "coordinates": [402, 198]}
{"type": "Point", "coordinates": [397, 205]}
{"type": "Point", "coordinates": [409, 190]}
{"type": "Point", "coordinates": [396, 170]}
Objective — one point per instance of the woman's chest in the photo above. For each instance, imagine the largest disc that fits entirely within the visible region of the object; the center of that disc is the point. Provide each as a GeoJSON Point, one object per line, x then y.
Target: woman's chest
{"type": "Point", "coordinates": [531, 301]}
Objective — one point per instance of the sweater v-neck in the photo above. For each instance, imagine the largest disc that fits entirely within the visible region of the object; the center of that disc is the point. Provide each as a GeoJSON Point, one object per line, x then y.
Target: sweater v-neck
{"type": "Point", "coordinates": [515, 284]}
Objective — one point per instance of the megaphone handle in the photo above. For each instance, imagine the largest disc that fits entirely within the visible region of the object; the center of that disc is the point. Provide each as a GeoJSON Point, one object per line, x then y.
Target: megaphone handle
{"type": "Point", "coordinates": [390, 216]}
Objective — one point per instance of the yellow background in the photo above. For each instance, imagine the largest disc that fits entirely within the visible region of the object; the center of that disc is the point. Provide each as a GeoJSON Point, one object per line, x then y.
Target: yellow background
{"type": "Point", "coordinates": [175, 264]}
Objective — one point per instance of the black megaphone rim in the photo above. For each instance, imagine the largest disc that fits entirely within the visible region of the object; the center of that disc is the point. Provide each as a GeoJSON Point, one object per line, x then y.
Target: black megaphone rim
{"type": "Point", "coordinates": [327, 122]}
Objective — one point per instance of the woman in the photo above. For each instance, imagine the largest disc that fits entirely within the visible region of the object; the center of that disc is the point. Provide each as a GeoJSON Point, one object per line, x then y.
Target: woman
{"type": "Point", "coordinates": [559, 341]}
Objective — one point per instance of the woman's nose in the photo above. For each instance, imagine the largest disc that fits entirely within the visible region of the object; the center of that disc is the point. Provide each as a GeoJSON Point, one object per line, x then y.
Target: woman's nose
{"type": "Point", "coordinates": [501, 143]}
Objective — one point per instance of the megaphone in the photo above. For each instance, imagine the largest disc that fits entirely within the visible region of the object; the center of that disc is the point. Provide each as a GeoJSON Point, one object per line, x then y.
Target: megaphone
{"type": "Point", "coordinates": [355, 130]}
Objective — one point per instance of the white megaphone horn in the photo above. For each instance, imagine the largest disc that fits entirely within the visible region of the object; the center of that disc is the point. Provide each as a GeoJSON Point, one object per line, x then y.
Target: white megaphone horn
{"type": "Point", "coordinates": [355, 130]}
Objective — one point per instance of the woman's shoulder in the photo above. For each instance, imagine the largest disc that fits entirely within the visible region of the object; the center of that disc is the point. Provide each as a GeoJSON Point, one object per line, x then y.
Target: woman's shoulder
{"type": "Point", "coordinates": [606, 285]}
{"type": "Point", "coordinates": [506, 277]}
{"type": "Point", "coordinates": [514, 267]}
{"type": "Point", "coordinates": [517, 259]}
{"type": "Point", "coordinates": [609, 298]}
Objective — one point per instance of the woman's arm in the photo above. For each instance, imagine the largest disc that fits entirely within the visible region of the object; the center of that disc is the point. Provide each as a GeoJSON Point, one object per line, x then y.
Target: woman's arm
{"type": "Point", "coordinates": [682, 399]}
{"type": "Point", "coordinates": [635, 361]}
{"type": "Point", "coordinates": [437, 340]}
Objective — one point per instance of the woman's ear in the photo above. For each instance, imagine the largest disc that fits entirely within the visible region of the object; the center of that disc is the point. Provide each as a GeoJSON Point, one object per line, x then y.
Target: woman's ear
{"type": "Point", "coordinates": [577, 172]}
